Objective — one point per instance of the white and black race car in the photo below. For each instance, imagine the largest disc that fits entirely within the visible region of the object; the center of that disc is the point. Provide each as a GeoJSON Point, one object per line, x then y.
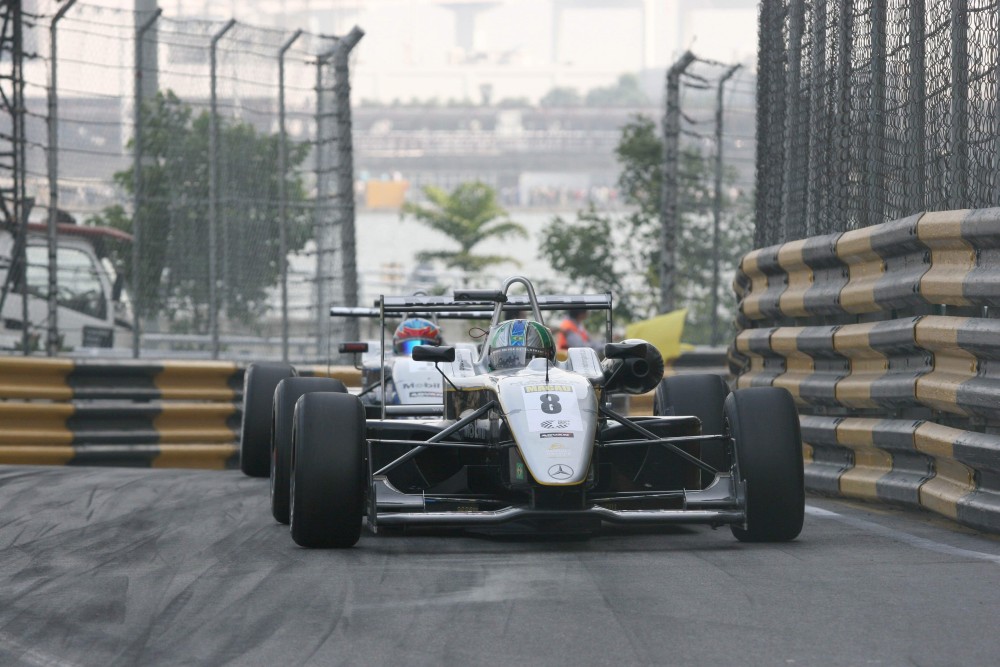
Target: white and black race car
{"type": "Point", "coordinates": [521, 437]}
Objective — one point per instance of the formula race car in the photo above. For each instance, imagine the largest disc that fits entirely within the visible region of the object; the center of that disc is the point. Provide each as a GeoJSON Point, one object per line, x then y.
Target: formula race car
{"type": "Point", "coordinates": [404, 380]}
{"type": "Point", "coordinates": [521, 437]}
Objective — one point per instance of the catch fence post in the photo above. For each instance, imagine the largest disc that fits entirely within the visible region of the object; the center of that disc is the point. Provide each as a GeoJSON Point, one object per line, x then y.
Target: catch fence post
{"type": "Point", "coordinates": [840, 199]}
{"type": "Point", "coordinates": [137, 142]}
{"type": "Point", "coordinates": [52, 330]}
{"type": "Point", "coordinates": [669, 225]}
{"type": "Point", "coordinates": [916, 181]}
{"type": "Point", "coordinates": [818, 121]}
{"type": "Point", "coordinates": [320, 213]}
{"type": "Point", "coordinates": [794, 172]}
{"type": "Point", "coordinates": [14, 203]}
{"type": "Point", "coordinates": [282, 203]}
{"type": "Point", "coordinates": [717, 201]}
{"type": "Point", "coordinates": [874, 210]}
{"type": "Point", "coordinates": [958, 135]}
{"type": "Point", "coordinates": [345, 176]}
{"type": "Point", "coordinates": [213, 212]}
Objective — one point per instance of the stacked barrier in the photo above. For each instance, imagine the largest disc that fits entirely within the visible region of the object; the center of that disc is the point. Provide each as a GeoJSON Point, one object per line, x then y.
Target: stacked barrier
{"type": "Point", "coordinates": [888, 339]}
{"type": "Point", "coordinates": [170, 414]}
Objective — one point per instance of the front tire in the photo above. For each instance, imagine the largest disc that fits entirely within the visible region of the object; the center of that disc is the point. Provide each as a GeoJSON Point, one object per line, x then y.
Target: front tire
{"type": "Point", "coordinates": [328, 474]}
{"type": "Point", "coordinates": [259, 383]}
{"type": "Point", "coordinates": [764, 424]}
{"type": "Point", "coordinates": [286, 395]}
{"type": "Point", "coordinates": [703, 396]}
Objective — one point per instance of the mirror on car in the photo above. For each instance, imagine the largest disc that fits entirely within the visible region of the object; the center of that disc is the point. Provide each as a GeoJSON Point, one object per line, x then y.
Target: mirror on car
{"type": "Point", "coordinates": [435, 353]}
{"type": "Point", "coordinates": [348, 348]}
{"type": "Point", "coordinates": [625, 350]}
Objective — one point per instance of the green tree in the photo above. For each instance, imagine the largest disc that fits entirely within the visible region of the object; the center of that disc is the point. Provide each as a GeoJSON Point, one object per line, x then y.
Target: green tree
{"type": "Point", "coordinates": [468, 215]}
{"type": "Point", "coordinates": [620, 252]}
{"type": "Point", "coordinates": [561, 97]}
{"type": "Point", "coordinates": [625, 92]}
{"type": "Point", "coordinates": [174, 215]}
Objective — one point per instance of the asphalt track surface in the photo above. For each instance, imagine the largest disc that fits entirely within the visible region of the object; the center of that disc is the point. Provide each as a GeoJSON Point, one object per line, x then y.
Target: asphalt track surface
{"type": "Point", "coordinates": [106, 566]}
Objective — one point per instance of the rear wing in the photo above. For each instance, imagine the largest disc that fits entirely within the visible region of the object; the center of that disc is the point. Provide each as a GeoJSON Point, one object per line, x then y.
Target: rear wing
{"type": "Point", "coordinates": [475, 304]}
{"type": "Point", "coordinates": [445, 307]}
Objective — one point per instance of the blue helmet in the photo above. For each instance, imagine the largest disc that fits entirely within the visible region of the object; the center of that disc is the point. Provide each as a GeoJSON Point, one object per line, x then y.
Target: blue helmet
{"type": "Point", "coordinates": [413, 332]}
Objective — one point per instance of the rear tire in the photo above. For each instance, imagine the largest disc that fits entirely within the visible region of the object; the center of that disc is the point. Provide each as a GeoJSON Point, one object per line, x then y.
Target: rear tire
{"type": "Point", "coordinates": [259, 383]}
{"type": "Point", "coordinates": [765, 427]}
{"type": "Point", "coordinates": [703, 396]}
{"type": "Point", "coordinates": [285, 396]}
{"type": "Point", "coordinates": [328, 474]}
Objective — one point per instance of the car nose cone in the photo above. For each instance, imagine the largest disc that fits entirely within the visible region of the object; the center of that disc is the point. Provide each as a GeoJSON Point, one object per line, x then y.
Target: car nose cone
{"type": "Point", "coordinates": [560, 471]}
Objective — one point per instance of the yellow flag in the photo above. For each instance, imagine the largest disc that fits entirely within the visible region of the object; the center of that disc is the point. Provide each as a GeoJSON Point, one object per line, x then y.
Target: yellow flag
{"type": "Point", "coordinates": [663, 331]}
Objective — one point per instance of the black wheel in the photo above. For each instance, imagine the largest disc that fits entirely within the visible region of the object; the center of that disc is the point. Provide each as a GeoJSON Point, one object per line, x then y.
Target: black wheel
{"type": "Point", "coordinates": [259, 383]}
{"type": "Point", "coordinates": [765, 427]}
{"type": "Point", "coordinates": [285, 396]}
{"type": "Point", "coordinates": [328, 475]}
{"type": "Point", "coordinates": [703, 396]}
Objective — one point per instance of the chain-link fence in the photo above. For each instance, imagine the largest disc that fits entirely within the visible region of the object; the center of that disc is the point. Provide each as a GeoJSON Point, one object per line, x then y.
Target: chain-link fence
{"type": "Point", "coordinates": [706, 200]}
{"type": "Point", "coordinates": [870, 110]}
{"type": "Point", "coordinates": [223, 149]}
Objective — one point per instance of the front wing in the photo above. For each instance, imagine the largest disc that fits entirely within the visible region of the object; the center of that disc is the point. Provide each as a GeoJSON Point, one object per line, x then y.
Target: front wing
{"type": "Point", "coordinates": [722, 502]}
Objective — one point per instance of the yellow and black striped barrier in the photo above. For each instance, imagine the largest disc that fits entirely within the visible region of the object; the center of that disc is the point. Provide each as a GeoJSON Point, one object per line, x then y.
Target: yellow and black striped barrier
{"type": "Point", "coordinates": [204, 457]}
{"type": "Point", "coordinates": [941, 363]}
{"type": "Point", "coordinates": [68, 379]}
{"type": "Point", "coordinates": [171, 414]}
{"type": "Point", "coordinates": [158, 434]}
{"type": "Point", "coordinates": [887, 339]}
{"type": "Point", "coordinates": [944, 258]}
{"type": "Point", "coordinates": [129, 413]}
{"type": "Point", "coordinates": [950, 471]}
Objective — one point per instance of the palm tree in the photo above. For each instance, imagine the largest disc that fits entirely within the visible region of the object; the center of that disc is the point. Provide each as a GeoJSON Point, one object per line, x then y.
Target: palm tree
{"type": "Point", "coordinates": [468, 215]}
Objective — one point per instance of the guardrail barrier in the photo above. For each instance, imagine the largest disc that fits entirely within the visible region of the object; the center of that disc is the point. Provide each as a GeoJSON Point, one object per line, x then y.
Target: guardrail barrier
{"type": "Point", "coordinates": [888, 338]}
{"type": "Point", "coordinates": [170, 414]}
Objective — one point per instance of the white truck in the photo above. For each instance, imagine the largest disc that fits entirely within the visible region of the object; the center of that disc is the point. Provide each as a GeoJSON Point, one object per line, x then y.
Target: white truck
{"type": "Point", "coordinates": [93, 309]}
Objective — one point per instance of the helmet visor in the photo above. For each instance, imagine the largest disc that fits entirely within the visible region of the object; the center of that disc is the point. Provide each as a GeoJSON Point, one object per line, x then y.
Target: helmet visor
{"type": "Point", "coordinates": [406, 346]}
{"type": "Point", "coordinates": [508, 357]}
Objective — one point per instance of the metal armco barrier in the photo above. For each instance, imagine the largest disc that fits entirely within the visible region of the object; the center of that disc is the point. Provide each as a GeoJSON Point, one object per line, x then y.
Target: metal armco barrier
{"type": "Point", "coordinates": [170, 414]}
{"type": "Point", "coordinates": [888, 337]}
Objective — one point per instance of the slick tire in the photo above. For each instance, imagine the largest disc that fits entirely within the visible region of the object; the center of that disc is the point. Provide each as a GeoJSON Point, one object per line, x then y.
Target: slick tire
{"type": "Point", "coordinates": [765, 429]}
{"type": "Point", "coordinates": [703, 396]}
{"type": "Point", "coordinates": [259, 383]}
{"type": "Point", "coordinates": [286, 395]}
{"type": "Point", "coordinates": [328, 473]}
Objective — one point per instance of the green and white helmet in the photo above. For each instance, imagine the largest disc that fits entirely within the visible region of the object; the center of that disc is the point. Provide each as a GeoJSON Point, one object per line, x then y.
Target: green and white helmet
{"type": "Point", "coordinates": [516, 342]}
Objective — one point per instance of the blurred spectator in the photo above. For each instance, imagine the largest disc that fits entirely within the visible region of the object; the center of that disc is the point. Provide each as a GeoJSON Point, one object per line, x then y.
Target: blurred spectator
{"type": "Point", "coordinates": [573, 333]}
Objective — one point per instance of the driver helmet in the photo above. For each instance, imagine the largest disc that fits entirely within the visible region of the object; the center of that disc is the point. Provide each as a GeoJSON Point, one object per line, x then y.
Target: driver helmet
{"type": "Point", "coordinates": [413, 332]}
{"type": "Point", "coordinates": [516, 342]}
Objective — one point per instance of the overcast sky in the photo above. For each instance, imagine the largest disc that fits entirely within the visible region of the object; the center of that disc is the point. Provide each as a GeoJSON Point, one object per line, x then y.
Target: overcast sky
{"type": "Point", "coordinates": [414, 48]}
